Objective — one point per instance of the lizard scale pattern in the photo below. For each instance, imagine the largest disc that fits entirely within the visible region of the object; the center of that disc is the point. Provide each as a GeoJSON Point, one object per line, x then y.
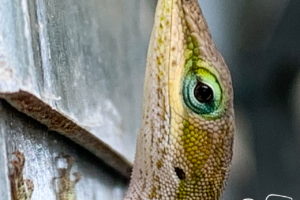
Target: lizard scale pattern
{"type": "Point", "coordinates": [184, 148]}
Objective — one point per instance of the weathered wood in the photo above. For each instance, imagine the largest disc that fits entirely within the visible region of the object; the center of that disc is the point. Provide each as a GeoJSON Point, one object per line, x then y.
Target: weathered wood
{"type": "Point", "coordinates": [81, 62]}
{"type": "Point", "coordinates": [4, 182]}
{"type": "Point", "coordinates": [43, 152]}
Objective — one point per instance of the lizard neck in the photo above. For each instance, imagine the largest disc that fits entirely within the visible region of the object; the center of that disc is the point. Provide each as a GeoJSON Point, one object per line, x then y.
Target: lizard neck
{"type": "Point", "coordinates": [180, 155]}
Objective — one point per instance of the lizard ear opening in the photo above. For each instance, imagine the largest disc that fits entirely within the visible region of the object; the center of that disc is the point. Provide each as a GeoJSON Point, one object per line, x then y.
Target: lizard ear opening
{"type": "Point", "coordinates": [180, 173]}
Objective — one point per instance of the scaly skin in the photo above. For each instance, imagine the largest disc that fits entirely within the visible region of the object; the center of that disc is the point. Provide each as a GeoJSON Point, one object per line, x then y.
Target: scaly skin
{"type": "Point", "coordinates": [64, 184]}
{"type": "Point", "coordinates": [21, 188]}
{"type": "Point", "coordinates": [184, 149]}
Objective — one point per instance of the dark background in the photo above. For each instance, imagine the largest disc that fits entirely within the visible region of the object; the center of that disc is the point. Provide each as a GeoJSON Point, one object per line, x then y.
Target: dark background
{"type": "Point", "coordinates": [260, 41]}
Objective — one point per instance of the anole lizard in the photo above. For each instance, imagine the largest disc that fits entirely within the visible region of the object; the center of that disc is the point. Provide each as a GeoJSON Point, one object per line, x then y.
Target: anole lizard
{"type": "Point", "coordinates": [184, 148]}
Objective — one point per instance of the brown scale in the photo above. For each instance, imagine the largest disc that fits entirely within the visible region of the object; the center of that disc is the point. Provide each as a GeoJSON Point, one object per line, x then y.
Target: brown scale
{"type": "Point", "coordinates": [65, 184]}
{"type": "Point", "coordinates": [21, 188]}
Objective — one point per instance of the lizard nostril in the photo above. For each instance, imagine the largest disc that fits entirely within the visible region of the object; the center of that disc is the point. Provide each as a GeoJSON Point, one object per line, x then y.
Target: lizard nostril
{"type": "Point", "coordinates": [180, 173]}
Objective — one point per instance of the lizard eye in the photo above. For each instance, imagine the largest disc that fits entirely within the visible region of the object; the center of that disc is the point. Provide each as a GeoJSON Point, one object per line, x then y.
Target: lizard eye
{"type": "Point", "coordinates": [202, 92]}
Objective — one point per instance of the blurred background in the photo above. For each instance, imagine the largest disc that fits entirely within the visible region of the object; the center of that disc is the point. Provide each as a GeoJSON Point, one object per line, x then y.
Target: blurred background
{"type": "Point", "coordinates": [260, 41]}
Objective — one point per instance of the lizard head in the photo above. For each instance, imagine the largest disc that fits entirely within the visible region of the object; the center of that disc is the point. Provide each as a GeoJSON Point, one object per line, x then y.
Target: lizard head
{"type": "Point", "coordinates": [184, 149]}
{"type": "Point", "coordinates": [201, 108]}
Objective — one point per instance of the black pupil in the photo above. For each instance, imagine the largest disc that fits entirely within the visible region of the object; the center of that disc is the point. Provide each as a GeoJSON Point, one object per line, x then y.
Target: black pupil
{"type": "Point", "coordinates": [203, 93]}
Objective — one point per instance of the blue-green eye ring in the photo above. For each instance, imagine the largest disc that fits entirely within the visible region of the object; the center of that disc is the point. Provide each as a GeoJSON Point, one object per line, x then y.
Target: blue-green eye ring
{"type": "Point", "coordinates": [202, 92]}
